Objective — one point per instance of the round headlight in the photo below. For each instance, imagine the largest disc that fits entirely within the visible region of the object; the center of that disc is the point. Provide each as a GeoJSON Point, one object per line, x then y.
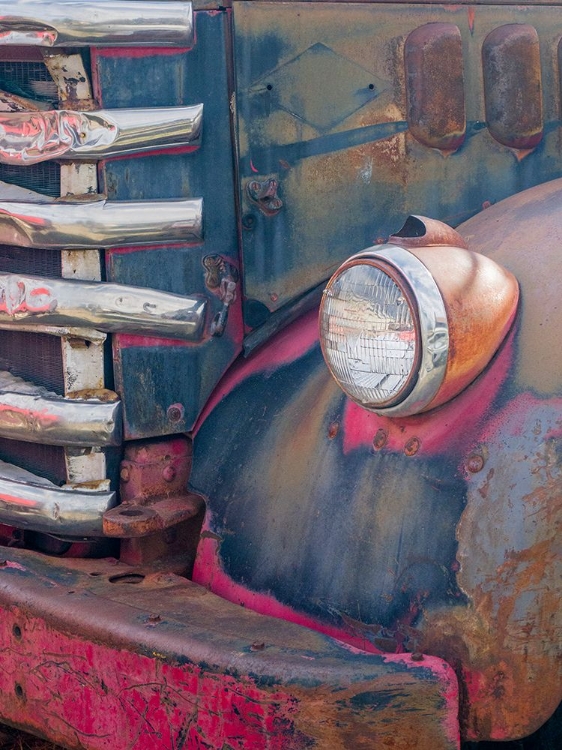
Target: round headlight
{"type": "Point", "coordinates": [383, 331]}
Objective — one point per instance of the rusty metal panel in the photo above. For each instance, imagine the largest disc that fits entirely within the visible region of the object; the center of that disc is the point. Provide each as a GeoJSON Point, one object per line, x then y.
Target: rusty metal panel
{"type": "Point", "coordinates": [435, 86]}
{"type": "Point", "coordinates": [513, 85]}
{"type": "Point", "coordinates": [352, 116]}
{"type": "Point", "coordinates": [170, 665]}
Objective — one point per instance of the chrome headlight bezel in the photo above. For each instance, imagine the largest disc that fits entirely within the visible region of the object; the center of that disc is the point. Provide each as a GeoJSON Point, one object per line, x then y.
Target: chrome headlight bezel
{"type": "Point", "coordinates": [430, 320]}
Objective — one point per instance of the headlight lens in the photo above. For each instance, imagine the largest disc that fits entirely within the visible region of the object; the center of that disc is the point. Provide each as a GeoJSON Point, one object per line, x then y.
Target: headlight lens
{"type": "Point", "coordinates": [384, 331]}
{"type": "Point", "coordinates": [369, 335]}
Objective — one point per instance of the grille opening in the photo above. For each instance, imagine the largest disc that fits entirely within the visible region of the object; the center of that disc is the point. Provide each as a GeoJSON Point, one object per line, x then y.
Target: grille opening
{"type": "Point", "coordinates": [27, 78]}
{"type": "Point", "coordinates": [26, 260]}
{"type": "Point", "coordinates": [43, 178]}
{"type": "Point", "coordinates": [36, 357]}
{"type": "Point", "coordinates": [43, 460]}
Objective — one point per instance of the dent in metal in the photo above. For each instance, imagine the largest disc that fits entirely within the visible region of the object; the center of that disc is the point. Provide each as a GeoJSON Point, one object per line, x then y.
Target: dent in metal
{"type": "Point", "coordinates": [31, 502]}
{"type": "Point", "coordinates": [83, 224]}
{"type": "Point", "coordinates": [103, 306]}
{"type": "Point", "coordinates": [33, 414]}
{"type": "Point", "coordinates": [99, 23]}
{"type": "Point", "coordinates": [32, 137]}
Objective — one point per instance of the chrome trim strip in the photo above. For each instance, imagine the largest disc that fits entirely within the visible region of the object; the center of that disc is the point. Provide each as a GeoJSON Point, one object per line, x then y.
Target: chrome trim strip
{"type": "Point", "coordinates": [104, 306]}
{"type": "Point", "coordinates": [434, 327]}
{"type": "Point", "coordinates": [97, 23]}
{"type": "Point", "coordinates": [75, 224]}
{"type": "Point", "coordinates": [31, 137]}
{"type": "Point", "coordinates": [35, 415]}
{"type": "Point", "coordinates": [31, 502]}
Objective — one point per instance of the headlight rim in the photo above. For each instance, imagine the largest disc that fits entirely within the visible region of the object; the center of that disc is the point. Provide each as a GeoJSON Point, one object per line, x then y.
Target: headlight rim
{"type": "Point", "coordinates": [429, 313]}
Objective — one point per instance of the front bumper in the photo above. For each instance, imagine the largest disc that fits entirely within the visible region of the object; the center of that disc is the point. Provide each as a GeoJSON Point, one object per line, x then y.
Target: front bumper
{"type": "Point", "coordinates": [94, 654]}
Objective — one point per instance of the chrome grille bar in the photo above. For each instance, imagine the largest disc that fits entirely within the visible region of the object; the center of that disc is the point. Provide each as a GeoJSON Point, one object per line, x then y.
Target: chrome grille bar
{"type": "Point", "coordinates": [31, 137]}
{"type": "Point", "coordinates": [35, 415]}
{"type": "Point", "coordinates": [31, 502]}
{"type": "Point", "coordinates": [103, 306]}
{"type": "Point", "coordinates": [98, 23]}
{"type": "Point", "coordinates": [75, 224]}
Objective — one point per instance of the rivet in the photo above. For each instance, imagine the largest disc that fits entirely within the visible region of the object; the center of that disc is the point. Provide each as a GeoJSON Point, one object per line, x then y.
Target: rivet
{"type": "Point", "coordinates": [125, 474]}
{"type": "Point", "coordinates": [175, 412]}
{"type": "Point", "coordinates": [412, 446]}
{"type": "Point", "coordinates": [273, 297]}
{"type": "Point", "coordinates": [416, 656]}
{"type": "Point", "coordinates": [169, 474]}
{"type": "Point", "coordinates": [475, 463]}
{"type": "Point", "coordinates": [379, 441]}
{"type": "Point", "coordinates": [257, 646]}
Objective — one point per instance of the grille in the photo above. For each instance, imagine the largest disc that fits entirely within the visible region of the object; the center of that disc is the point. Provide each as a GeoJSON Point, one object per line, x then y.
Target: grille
{"type": "Point", "coordinates": [44, 460]}
{"type": "Point", "coordinates": [26, 260]}
{"type": "Point", "coordinates": [30, 79]}
{"type": "Point", "coordinates": [33, 356]}
{"type": "Point", "coordinates": [43, 177]}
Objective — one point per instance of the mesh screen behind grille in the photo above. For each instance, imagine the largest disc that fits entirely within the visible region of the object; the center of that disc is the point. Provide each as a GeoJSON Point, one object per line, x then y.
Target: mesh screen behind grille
{"type": "Point", "coordinates": [44, 460]}
{"type": "Point", "coordinates": [33, 356]}
{"type": "Point", "coordinates": [30, 260]}
{"type": "Point", "coordinates": [43, 177]}
{"type": "Point", "coordinates": [26, 79]}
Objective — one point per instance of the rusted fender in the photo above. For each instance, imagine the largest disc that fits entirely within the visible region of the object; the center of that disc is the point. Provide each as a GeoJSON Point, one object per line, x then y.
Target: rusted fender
{"type": "Point", "coordinates": [438, 532]}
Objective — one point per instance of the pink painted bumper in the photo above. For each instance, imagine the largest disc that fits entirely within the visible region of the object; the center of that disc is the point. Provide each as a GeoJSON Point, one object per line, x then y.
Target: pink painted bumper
{"type": "Point", "coordinates": [96, 655]}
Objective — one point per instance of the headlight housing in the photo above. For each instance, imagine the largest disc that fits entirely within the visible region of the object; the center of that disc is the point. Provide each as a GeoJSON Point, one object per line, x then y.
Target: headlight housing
{"type": "Point", "coordinates": [403, 329]}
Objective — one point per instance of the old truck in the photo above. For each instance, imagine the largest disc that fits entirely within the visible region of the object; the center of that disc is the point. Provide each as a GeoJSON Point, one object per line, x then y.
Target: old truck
{"type": "Point", "coordinates": [225, 524]}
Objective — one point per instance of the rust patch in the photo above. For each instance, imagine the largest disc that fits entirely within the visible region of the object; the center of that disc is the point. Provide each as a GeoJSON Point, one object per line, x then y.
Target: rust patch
{"type": "Point", "coordinates": [433, 58]}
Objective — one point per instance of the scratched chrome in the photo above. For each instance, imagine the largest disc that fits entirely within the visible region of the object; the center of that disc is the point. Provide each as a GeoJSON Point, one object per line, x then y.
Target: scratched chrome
{"type": "Point", "coordinates": [35, 415]}
{"type": "Point", "coordinates": [432, 322]}
{"type": "Point", "coordinates": [103, 306]}
{"type": "Point", "coordinates": [31, 502]}
{"type": "Point", "coordinates": [32, 137]}
{"type": "Point", "coordinates": [89, 224]}
{"type": "Point", "coordinates": [80, 23]}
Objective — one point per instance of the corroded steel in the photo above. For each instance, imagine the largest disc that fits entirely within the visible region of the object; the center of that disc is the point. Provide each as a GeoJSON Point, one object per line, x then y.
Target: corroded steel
{"type": "Point", "coordinates": [100, 305]}
{"type": "Point", "coordinates": [153, 489]}
{"type": "Point", "coordinates": [88, 222]}
{"type": "Point", "coordinates": [513, 85]}
{"type": "Point", "coordinates": [438, 532]}
{"type": "Point", "coordinates": [31, 413]}
{"type": "Point", "coordinates": [435, 84]}
{"type": "Point", "coordinates": [170, 665]}
{"type": "Point", "coordinates": [32, 137]}
{"type": "Point", "coordinates": [32, 502]}
{"type": "Point", "coordinates": [96, 23]}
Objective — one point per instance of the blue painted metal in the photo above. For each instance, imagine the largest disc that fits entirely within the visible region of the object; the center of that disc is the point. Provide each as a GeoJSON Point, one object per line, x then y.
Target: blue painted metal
{"type": "Point", "coordinates": [153, 375]}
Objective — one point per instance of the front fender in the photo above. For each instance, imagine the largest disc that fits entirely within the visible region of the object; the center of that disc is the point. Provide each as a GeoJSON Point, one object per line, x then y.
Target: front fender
{"type": "Point", "coordinates": [436, 533]}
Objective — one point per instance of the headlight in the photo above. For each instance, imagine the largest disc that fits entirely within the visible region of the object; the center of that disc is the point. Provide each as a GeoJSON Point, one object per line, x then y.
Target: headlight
{"type": "Point", "coordinates": [383, 329]}
{"type": "Point", "coordinates": [405, 327]}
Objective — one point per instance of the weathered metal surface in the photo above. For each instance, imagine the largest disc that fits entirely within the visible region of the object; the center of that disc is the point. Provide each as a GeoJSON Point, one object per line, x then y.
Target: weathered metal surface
{"type": "Point", "coordinates": [89, 222]}
{"type": "Point", "coordinates": [171, 665]}
{"type": "Point", "coordinates": [100, 305]}
{"type": "Point", "coordinates": [31, 137]}
{"type": "Point", "coordinates": [513, 86]}
{"type": "Point", "coordinates": [435, 92]}
{"type": "Point", "coordinates": [420, 231]}
{"type": "Point", "coordinates": [153, 489]}
{"type": "Point", "coordinates": [101, 22]}
{"type": "Point", "coordinates": [33, 414]}
{"type": "Point", "coordinates": [31, 502]}
{"type": "Point", "coordinates": [338, 114]}
{"type": "Point", "coordinates": [439, 532]}
{"type": "Point", "coordinates": [152, 374]}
